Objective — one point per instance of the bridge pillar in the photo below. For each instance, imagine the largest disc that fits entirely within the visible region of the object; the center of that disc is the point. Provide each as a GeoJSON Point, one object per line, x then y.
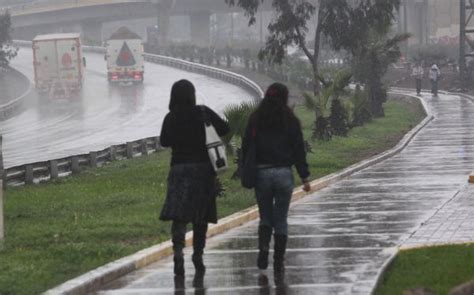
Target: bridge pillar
{"type": "Point", "coordinates": [200, 28]}
{"type": "Point", "coordinates": [92, 32]}
{"type": "Point", "coordinates": [163, 26]}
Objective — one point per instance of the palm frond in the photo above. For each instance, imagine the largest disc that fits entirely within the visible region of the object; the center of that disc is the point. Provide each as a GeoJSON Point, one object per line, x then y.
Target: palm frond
{"type": "Point", "coordinates": [309, 101]}
{"type": "Point", "coordinates": [237, 117]}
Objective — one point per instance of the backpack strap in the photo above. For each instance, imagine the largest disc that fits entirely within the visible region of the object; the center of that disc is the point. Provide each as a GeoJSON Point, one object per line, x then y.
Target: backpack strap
{"type": "Point", "coordinates": [205, 116]}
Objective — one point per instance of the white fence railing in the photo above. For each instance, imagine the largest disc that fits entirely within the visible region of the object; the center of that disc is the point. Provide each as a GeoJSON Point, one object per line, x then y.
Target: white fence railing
{"type": "Point", "coordinates": [46, 6]}
{"type": "Point", "coordinates": [216, 73]}
{"type": "Point", "coordinates": [52, 169]}
{"type": "Point", "coordinates": [9, 109]}
{"type": "Point", "coordinates": [49, 170]}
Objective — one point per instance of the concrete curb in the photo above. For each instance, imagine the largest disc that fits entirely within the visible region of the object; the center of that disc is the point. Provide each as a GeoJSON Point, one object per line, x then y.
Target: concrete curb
{"type": "Point", "coordinates": [94, 279]}
{"type": "Point", "coordinates": [384, 268]}
{"type": "Point", "coordinates": [429, 245]}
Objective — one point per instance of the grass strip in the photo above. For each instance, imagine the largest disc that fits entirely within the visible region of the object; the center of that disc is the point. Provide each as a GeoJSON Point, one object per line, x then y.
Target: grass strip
{"type": "Point", "coordinates": [58, 230]}
{"type": "Point", "coordinates": [438, 268]}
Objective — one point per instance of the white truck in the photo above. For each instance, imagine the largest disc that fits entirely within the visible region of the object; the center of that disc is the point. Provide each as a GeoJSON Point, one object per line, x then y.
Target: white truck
{"type": "Point", "coordinates": [58, 64]}
{"type": "Point", "coordinates": [125, 57]}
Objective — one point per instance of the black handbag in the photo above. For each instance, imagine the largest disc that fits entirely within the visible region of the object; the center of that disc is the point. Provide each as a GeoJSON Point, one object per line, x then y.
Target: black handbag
{"type": "Point", "coordinates": [248, 176]}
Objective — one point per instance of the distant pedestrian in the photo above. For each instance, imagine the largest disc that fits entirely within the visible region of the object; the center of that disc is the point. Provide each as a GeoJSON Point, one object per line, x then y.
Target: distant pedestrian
{"type": "Point", "coordinates": [418, 73]}
{"type": "Point", "coordinates": [435, 73]}
{"type": "Point", "coordinates": [192, 191]}
{"type": "Point", "coordinates": [279, 144]}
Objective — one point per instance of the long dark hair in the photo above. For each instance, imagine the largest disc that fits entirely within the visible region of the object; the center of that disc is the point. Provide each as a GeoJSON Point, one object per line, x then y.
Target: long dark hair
{"type": "Point", "coordinates": [273, 113]}
{"type": "Point", "coordinates": [183, 96]}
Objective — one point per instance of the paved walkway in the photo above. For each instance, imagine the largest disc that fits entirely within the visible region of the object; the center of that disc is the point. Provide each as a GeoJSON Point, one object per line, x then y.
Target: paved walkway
{"type": "Point", "coordinates": [342, 236]}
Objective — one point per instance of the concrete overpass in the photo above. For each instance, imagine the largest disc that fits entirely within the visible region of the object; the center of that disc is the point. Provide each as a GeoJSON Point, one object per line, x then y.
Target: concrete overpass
{"type": "Point", "coordinates": [45, 16]}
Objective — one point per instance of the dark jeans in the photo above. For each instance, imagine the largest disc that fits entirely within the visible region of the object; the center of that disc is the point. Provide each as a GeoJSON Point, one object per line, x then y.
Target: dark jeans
{"type": "Point", "coordinates": [434, 87]}
{"type": "Point", "coordinates": [418, 86]}
{"type": "Point", "coordinates": [273, 190]}
{"type": "Point", "coordinates": [178, 233]}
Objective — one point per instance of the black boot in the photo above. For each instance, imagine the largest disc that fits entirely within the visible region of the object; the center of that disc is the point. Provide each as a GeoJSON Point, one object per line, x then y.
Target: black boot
{"type": "Point", "coordinates": [279, 255]}
{"type": "Point", "coordinates": [178, 232]}
{"type": "Point", "coordinates": [199, 242]}
{"type": "Point", "coordinates": [178, 264]}
{"type": "Point", "coordinates": [264, 237]}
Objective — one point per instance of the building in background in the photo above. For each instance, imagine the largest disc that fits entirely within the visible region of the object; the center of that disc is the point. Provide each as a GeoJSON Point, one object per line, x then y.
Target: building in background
{"type": "Point", "coordinates": [430, 21]}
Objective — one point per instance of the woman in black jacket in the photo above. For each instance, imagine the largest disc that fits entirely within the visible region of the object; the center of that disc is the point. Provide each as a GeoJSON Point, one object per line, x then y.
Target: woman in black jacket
{"type": "Point", "coordinates": [278, 138]}
{"type": "Point", "coordinates": [191, 195]}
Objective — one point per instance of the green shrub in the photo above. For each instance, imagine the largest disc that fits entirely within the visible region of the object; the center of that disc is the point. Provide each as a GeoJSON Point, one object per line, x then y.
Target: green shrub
{"type": "Point", "coordinates": [338, 118]}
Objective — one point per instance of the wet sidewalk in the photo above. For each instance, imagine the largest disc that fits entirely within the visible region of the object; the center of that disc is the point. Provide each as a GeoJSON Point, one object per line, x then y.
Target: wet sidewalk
{"type": "Point", "coordinates": [342, 236]}
{"type": "Point", "coordinates": [453, 223]}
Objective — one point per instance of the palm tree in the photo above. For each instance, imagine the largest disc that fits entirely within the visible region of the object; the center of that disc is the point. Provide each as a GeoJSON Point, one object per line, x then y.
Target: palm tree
{"type": "Point", "coordinates": [371, 62]}
{"type": "Point", "coordinates": [360, 108]}
{"type": "Point", "coordinates": [237, 117]}
{"type": "Point", "coordinates": [332, 89]}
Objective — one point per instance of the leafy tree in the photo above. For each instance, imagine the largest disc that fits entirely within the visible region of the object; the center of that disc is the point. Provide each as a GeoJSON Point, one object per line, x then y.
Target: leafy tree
{"type": "Point", "coordinates": [348, 25]}
{"type": "Point", "coordinates": [6, 51]}
{"type": "Point", "coordinates": [365, 33]}
{"type": "Point", "coordinates": [290, 28]}
{"type": "Point", "coordinates": [370, 65]}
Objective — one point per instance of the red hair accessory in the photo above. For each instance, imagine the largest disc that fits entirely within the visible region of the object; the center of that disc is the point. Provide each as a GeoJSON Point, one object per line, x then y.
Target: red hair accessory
{"type": "Point", "coordinates": [272, 92]}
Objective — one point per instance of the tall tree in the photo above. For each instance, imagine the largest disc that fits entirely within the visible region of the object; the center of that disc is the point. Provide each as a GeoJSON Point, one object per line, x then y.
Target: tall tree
{"type": "Point", "coordinates": [347, 24]}
{"type": "Point", "coordinates": [6, 51]}
{"type": "Point", "coordinates": [290, 27]}
{"type": "Point", "coordinates": [365, 33]}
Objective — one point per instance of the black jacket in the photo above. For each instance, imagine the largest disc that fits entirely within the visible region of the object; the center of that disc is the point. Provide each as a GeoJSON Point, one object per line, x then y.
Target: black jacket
{"type": "Point", "coordinates": [183, 131]}
{"type": "Point", "coordinates": [278, 148]}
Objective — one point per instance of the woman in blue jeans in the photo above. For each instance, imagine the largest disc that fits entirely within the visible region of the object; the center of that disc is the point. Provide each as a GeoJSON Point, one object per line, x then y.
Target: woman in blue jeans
{"type": "Point", "coordinates": [279, 144]}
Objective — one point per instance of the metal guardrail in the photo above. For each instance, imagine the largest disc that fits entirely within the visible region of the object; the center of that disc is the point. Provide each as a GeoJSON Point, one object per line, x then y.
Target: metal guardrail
{"type": "Point", "coordinates": [216, 73]}
{"type": "Point", "coordinates": [38, 7]}
{"type": "Point", "coordinates": [49, 170]}
{"type": "Point", "coordinates": [53, 169]}
{"type": "Point", "coordinates": [10, 108]}
{"type": "Point", "coordinates": [219, 74]}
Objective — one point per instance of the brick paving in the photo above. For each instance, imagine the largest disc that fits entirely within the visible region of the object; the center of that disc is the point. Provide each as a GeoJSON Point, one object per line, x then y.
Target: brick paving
{"type": "Point", "coordinates": [452, 223]}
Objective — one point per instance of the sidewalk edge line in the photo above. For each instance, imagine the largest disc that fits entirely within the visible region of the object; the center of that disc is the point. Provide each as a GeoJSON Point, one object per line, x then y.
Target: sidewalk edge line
{"type": "Point", "coordinates": [93, 280]}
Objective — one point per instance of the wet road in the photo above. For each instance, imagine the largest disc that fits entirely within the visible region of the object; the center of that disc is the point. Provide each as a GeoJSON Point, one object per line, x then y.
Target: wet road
{"type": "Point", "coordinates": [103, 116]}
{"type": "Point", "coordinates": [340, 237]}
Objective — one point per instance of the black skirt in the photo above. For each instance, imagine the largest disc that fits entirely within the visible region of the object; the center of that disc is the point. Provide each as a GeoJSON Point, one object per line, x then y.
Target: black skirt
{"type": "Point", "coordinates": [191, 195]}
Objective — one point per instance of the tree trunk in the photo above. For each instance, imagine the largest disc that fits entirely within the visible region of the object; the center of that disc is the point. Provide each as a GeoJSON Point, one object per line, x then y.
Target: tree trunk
{"type": "Point", "coordinates": [376, 97]}
{"type": "Point", "coordinates": [317, 44]}
{"type": "Point", "coordinates": [316, 86]}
